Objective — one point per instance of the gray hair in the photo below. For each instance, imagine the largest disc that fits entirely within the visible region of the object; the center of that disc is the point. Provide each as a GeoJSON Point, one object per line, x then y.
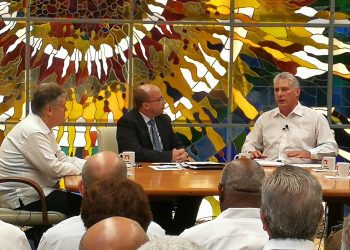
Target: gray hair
{"type": "Point", "coordinates": [242, 175]}
{"type": "Point", "coordinates": [346, 235]}
{"type": "Point", "coordinates": [171, 243]}
{"type": "Point", "coordinates": [291, 201]}
{"type": "Point", "coordinates": [293, 81]}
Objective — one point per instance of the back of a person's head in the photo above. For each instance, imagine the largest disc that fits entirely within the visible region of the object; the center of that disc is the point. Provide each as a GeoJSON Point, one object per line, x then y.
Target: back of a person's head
{"type": "Point", "coordinates": [243, 175]}
{"type": "Point", "coordinates": [240, 184]}
{"type": "Point", "coordinates": [113, 197]}
{"type": "Point", "coordinates": [291, 203]}
{"type": "Point", "coordinates": [102, 166]}
{"type": "Point", "coordinates": [171, 243]}
{"type": "Point", "coordinates": [114, 233]}
{"type": "Point", "coordinates": [45, 93]}
{"type": "Point", "coordinates": [346, 235]}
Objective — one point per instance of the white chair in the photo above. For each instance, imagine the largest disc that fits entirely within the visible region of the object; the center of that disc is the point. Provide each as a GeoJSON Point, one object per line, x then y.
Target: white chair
{"type": "Point", "coordinates": [29, 218]}
{"type": "Point", "coordinates": [107, 139]}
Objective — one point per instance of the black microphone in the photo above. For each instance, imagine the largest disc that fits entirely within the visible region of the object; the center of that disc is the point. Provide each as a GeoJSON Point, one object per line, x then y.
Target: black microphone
{"type": "Point", "coordinates": [286, 128]}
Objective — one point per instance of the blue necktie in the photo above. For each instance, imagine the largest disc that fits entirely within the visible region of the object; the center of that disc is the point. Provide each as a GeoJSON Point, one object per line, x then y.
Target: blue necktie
{"type": "Point", "coordinates": [155, 138]}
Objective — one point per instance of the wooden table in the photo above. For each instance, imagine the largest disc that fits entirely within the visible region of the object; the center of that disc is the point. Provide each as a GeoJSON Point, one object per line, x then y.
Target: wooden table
{"type": "Point", "coordinates": [205, 182]}
{"type": "Point", "coordinates": [336, 192]}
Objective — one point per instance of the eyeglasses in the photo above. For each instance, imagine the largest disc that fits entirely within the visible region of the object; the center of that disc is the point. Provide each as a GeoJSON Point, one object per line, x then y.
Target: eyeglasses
{"type": "Point", "coordinates": [160, 99]}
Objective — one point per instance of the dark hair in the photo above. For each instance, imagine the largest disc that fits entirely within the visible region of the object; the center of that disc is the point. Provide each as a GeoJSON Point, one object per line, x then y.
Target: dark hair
{"type": "Point", "coordinates": [46, 93]}
{"type": "Point", "coordinates": [113, 197]}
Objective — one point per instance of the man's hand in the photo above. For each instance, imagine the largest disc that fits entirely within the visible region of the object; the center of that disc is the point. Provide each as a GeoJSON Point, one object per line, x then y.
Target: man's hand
{"type": "Point", "coordinates": [299, 154]}
{"type": "Point", "coordinates": [257, 155]}
{"type": "Point", "coordinates": [179, 155]}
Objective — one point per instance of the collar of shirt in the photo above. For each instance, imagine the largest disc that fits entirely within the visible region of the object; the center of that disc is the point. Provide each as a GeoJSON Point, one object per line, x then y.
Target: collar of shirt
{"type": "Point", "coordinates": [298, 110]}
{"type": "Point", "coordinates": [45, 129]}
{"type": "Point", "coordinates": [289, 244]}
{"type": "Point", "coordinates": [146, 118]}
{"type": "Point", "coordinates": [247, 212]}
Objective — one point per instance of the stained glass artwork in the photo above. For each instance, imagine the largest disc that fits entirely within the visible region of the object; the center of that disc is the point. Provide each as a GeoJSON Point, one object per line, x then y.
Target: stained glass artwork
{"type": "Point", "coordinates": [214, 61]}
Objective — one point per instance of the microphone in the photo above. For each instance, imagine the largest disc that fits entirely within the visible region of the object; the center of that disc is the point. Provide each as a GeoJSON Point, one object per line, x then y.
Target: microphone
{"type": "Point", "coordinates": [285, 128]}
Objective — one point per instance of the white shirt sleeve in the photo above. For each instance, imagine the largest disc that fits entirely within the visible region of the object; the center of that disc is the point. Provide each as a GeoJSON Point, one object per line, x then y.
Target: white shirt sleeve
{"type": "Point", "coordinates": [42, 151]}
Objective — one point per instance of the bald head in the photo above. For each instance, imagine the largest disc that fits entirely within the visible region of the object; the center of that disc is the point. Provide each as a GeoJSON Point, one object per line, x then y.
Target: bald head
{"type": "Point", "coordinates": [114, 233]}
{"type": "Point", "coordinates": [149, 100]}
{"type": "Point", "coordinates": [102, 166]}
{"type": "Point", "coordinates": [241, 183]}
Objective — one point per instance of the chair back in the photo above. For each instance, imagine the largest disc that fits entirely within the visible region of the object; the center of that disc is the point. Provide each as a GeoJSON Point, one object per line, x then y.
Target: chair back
{"type": "Point", "coordinates": [107, 139]}
{"type": "Point", "coordinates": [29, 218]}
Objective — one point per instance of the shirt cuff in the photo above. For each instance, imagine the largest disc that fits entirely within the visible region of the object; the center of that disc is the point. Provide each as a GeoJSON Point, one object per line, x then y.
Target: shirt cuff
{"type": "Point", "coordinates": [313, 153]}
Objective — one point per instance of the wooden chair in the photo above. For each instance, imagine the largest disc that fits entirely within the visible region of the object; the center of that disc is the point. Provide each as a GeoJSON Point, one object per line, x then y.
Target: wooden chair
{"type": "Point", "coordinates": [29, 218]}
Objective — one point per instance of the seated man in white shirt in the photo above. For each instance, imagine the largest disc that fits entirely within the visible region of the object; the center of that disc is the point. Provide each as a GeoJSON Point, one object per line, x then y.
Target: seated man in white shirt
{"type": "Point", "coordinates": [99, 167]}
{"type": "Point", "coordinates": [291, 132]}
{"type": "Point", "coordinates": [291, 208]}
{"type": "Point", "coordinates": [12, 238]}
{"type": "Point", "coordinates": [30, 150]}
{"type": "Point", "coordinates": [239, 225]}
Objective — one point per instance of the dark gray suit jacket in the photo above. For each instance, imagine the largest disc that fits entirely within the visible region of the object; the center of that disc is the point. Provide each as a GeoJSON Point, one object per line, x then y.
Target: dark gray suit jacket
{"type": "Point", "coordinates": [133, 135]}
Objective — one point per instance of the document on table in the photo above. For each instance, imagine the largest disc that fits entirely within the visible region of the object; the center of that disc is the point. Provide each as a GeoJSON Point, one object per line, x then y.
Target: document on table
{"type": "Point", "coordinates": [266, 163]}
{"type": "Point", "coordinates": [166, 166]}
{"type": "Point", "coordinates": [307, 165]}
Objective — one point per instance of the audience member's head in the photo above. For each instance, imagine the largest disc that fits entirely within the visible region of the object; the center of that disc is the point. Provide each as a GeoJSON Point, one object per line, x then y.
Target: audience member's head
{"type": "Point", "coordinates": [149, 100]}
{"type": "Point", "coordinates": [111, 197]}
{"type": "Point", "coordinates": [102, 166]}
{"type": "Point", "coordinates": [346, 235]}
{"type": "Point", "coordinates": [170, 243]}
{"type": "Point", "coordinates": [240, 184]}
{"type": "Point", "coordinates": [291, 204]}
{"type": "Point", "coordinates": [114, 233]}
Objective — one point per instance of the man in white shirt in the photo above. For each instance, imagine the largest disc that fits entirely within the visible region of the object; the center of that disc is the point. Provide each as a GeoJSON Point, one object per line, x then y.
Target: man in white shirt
{"type": "Point", "coordinates": [99, 167]}
{"type": "Point", "coordinates": [291, 132]}
{"type": "Point", "coordinates": [239, 225]}
{"type": "Point", "coordinates": [291, 208]}
{"type": "Point", "coordinates": [12, 238]}
{"type": "Point", "coordinates": [30, 150]}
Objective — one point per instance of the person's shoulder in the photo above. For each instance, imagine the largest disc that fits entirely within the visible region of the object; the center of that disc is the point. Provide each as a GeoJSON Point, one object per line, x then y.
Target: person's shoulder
{"type": "Point", "coordinates": [130, 115]}
{"type": "Point", "coordinates": [204, 228]}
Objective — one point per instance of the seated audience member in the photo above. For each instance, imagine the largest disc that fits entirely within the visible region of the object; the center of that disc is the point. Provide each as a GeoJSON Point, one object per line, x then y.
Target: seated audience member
{"type": "Point", "coordinates": [114, 233]}
{"type": "Point", "coordinates": [291, 208]}
{"type": "Point", "coordinates": [346, 235]}
{"type": "Point", "coordinates": [171, 243]}
{"type": "Point", "coordinates": [30, 150]}
{"type": "Point", "coordinates": [149, 133]}
{"type": "Point", "coordinates": [12, 238]}
{"type": "Point", "coordinates": [100, 167]}
{"type": "Point", "coordinates": [239, 225]}
{"type": "Point", "coordinates": [291, 132]}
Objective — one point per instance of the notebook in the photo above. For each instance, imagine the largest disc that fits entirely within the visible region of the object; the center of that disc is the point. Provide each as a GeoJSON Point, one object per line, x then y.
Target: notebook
{"type": "Point", "coordinates": [197, 165]}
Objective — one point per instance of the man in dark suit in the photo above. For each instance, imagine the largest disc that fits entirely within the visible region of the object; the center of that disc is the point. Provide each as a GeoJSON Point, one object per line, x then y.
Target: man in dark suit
{"type": "Point", "coordinates": [148, 132]}
{"type": "Point", "coordinates": [134, 131]}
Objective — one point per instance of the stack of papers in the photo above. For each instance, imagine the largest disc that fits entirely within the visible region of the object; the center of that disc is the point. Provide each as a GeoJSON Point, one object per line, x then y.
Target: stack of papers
{"type": "Point", "coordinates": [166, 166]}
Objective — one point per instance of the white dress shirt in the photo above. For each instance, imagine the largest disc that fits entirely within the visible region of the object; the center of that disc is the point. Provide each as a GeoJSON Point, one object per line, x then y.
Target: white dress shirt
{"type": "Point", "coordinates": [289, 244]}
{"type": "Point", "coordinates": [303, 129]}
{"type": "Point", "coordinates": [12, 238]}
{"type": "Point", "coordinates": [30, 150]}
{"type": "Point", "coordinates": [66, 235]}
{"type": "Point", "coordinates": [234, 228]}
